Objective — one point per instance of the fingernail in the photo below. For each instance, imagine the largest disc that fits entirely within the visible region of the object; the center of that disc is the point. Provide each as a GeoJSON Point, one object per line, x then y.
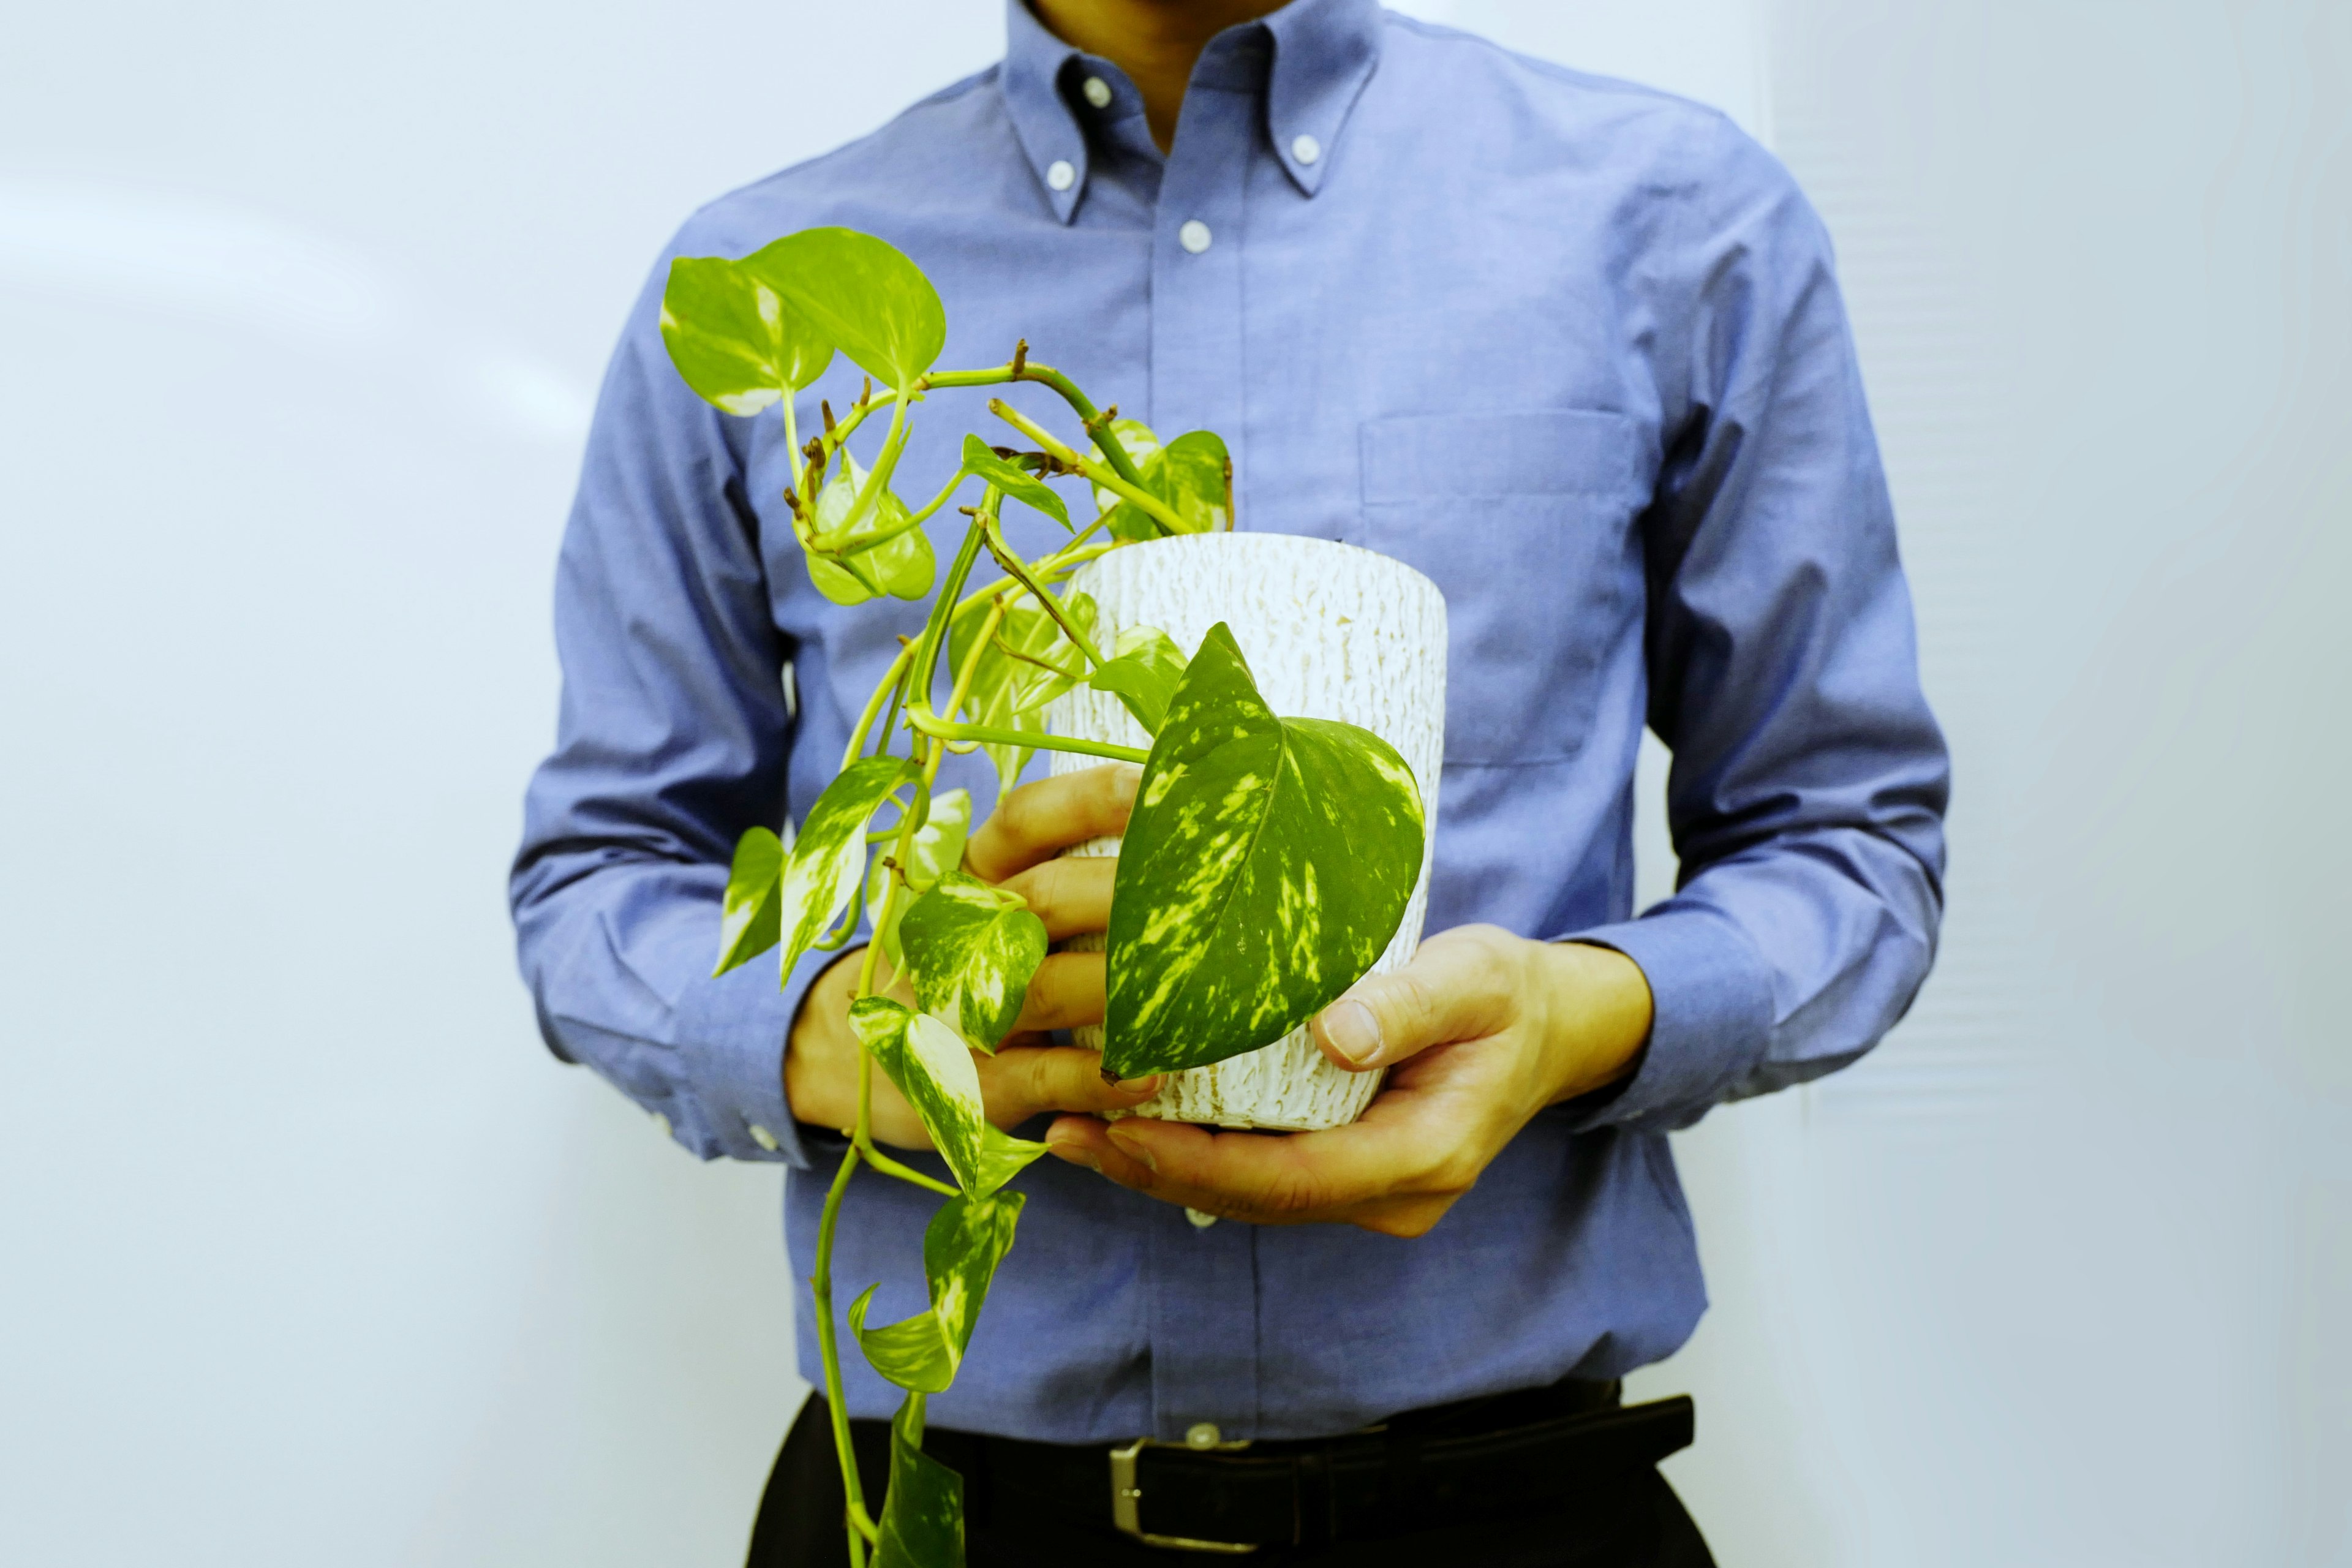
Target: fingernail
{"type": "Point", "coordinates": [1148, 1085]}
{"type": "Point", "coordinates": [1134, 1151]}
{"type": "Point", "coordinates": [1353, 1030]}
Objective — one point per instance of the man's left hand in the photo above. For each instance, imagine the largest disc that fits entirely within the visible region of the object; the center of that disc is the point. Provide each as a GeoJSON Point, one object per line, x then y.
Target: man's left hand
{"type": "Point", "coordinates": [1479, 1032]}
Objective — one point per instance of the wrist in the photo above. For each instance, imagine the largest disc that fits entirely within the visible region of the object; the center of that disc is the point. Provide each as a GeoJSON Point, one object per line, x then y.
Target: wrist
{"type": "Point", "coordinates": [1597, 1010]}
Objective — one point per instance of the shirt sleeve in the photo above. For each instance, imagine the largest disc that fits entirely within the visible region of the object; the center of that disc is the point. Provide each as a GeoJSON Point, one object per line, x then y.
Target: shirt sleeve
{"type": "Point", "coordinates": [672, 738]}
{"type": "Point", "coordinates": [1809, 781]}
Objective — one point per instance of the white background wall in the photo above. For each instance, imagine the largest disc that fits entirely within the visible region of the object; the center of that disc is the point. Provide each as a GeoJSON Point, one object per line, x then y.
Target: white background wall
{"type": "Point", "coordinates": [309, 1250]}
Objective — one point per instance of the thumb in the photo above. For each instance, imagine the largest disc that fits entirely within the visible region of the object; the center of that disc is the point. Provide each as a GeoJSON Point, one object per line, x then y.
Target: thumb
{"type": "Point", "coordinates": [1452, 990]}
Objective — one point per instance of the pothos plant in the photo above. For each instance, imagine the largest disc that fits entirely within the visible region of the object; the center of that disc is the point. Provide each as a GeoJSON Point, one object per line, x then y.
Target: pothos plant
{"type": "Point", "coordinates": [1266, 865]}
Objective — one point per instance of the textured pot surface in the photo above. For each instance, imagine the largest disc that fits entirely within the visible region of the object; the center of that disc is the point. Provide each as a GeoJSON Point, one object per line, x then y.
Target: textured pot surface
{"type": "Point", "coordinates": [1331, 632]}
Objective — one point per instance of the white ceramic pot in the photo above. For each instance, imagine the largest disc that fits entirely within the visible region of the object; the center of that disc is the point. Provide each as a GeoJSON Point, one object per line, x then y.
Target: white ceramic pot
{"type": "Point", "coordinates": [1331, 632]}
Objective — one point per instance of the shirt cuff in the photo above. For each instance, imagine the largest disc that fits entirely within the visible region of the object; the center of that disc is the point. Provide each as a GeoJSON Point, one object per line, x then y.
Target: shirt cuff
{"type": "Point", "coordinates": [732, 1028]}
{"type": "Point", "coordinates": [1711, 1015]}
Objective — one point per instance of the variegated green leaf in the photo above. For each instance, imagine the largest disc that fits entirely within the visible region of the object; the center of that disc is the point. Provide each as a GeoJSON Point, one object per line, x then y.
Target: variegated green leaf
{"type": "Point", "coordinates": [1265, 866]}
{"type": "Point", "coordinates": [828, 857]}
{"type": "Point", "coordinates": [1195, 478]}
{"type": "Point", "coordinates": [922, 1513]}
{"type": "Point", "coordinates": [1142, 674]}
{"type": "Point", "coordinates": [933, 1068]}
{"type": "Point", "coordinates": [1026, 665]}
{"type": "Point", "coordinates": [939, 848]}
{"type": "Point", "coordinates": [749, 923]}
{"type": "Point", "coordinates": [901, 564]}
{"type": "Point", "coordinates": [972, 949]}
{"type": "Point", "coordinates": [961, 1247]}
{"type": "Point", "coordinates": [1013, 481]}
{"type": "Point", "coordinates": [733, 338]}
{"type": "Point", "coordinates": [863, 294]}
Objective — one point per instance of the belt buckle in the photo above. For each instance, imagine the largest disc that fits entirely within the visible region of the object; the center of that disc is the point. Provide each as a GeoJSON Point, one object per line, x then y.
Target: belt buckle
{"type": "Point", "coordinates": [1127, 1500]}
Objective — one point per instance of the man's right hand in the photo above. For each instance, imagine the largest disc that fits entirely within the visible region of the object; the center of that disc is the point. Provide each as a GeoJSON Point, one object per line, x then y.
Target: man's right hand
{"type": "Point", "coordinates": [1017, 846]}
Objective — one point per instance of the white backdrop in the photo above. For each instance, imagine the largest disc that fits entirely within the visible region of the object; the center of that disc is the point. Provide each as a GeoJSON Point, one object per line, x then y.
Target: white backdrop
{"type": "Point", "coordinates": [310, 1251]}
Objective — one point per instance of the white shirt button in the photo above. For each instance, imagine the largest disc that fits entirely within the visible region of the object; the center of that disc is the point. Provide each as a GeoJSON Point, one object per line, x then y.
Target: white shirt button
{"type": "Point", "coordinates": [1098, 92]}
{"type": "Point", "coordinates": [1306, 149]}
{"type": "Point", "coordinates": [1199, 1221]}
{"type": "Point", "coordinates": [763, 1138]}
{"type": "Point", "coordinates": [1202, 1434]}
{"type": "Point", "coordinates": [1193, 236]}
{"type": "Point", "coordinates": [1061, 174]}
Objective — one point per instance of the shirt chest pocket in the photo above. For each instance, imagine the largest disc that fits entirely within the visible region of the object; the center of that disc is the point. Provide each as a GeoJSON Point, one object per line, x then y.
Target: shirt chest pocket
{"type": "Point", "coordinates": [1524, 521]}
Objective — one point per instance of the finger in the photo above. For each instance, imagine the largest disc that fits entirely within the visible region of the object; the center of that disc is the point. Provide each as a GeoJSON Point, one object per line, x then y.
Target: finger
{"type": "Point", "coordinates": [1457, 987]}
{"type": "Point", "coordinates": [1071, 895]}
{"type": "Point", "coordinates": [1039, 820]}
{"type": "Point", "coordinates": [1271, 1180]}
{"type": "Point", "coordinates": [1020, 1082]}
{"type": "Point", "coordinates": [1065, 991]}
{"type": "Point", "coordinates": [1130, 1159]}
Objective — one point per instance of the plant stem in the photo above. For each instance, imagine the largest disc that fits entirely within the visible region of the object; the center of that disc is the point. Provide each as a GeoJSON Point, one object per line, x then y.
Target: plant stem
{"type": "Point", "coordinates": [1126, 490]}
{"type": "Point", "coordinates": [829, 1349]}
{"type": "Point", "coordinates": [929, 724]}
{"type": "Point", "coordinates": [1091, 418]}
{"type": "Point", "coordinates": [1045, 601]}
{"type": "Point", "coordinates": [891, 680]}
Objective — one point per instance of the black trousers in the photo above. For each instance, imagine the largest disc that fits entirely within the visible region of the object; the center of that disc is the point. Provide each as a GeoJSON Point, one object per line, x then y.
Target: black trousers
{"type": "Point", "coordinates": [800, 1523]}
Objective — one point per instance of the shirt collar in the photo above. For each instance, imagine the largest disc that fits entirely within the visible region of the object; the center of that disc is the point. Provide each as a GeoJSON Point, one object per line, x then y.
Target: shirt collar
{"type": "Point", "coordinates": [1323, 53]}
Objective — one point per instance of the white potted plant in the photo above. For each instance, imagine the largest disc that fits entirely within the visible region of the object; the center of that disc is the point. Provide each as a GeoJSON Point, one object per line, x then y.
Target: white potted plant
{"type": "Point", "coordinates": [1284, 698]}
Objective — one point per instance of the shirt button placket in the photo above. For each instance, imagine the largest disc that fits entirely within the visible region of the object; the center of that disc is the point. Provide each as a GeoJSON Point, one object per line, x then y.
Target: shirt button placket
{"type": "Point", "coordinates": [1204, 1287]}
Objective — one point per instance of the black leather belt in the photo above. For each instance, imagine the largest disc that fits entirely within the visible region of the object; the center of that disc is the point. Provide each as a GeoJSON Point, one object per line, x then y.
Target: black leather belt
{"type": "Point", "coordinates": [1541, 1451]}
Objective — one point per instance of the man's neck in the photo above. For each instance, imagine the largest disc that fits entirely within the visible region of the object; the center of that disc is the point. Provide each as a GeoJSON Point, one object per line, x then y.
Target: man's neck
{"type": "Point", "coordinates": [1155, 42]}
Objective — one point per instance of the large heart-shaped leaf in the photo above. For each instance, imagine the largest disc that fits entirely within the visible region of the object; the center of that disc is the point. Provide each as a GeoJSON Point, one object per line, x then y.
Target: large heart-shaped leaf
{"type": "Point", "coordinates": [922, 1512]}
{"type": "Point", "coordinates": [961, 1247]}
{"type": "Point", "coordinates": [1026, 665]}
{"type": "Point", "coordinates": [822, 872]}
{"type": "Point", "coordinates": [1268, 864]}
{"type": "Point", "coordinates": [749, 923]}
{"type": "Point", "coordinates": [933, 1068]}
{"type": "Point", "coordinates": [861, 293]}
{"type": "Point", "coordinates": [938, 849]}
{"type": "Point", "coordinates": [1014, 480]}
{"type": "Point", "coordinates": [972, 949]}
{"type": "Point", "coordinates": [1142, 673]}
{"type": "Point", "coordinates": [733, 338]}
{"type": "Point", "coordinates": [901, 564]}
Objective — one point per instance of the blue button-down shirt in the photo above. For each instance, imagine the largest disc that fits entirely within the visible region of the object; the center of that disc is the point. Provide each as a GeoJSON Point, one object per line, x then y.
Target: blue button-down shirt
{"type": "Point", "coordinates": [1572, 347]}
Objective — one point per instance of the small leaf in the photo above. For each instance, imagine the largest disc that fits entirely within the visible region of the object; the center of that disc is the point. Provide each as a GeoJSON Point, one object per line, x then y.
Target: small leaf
{"type": "Point", "coordinates": [733, 338]}
{"type": "Point", "coordinates": [861, 293]}
{"type": "Point", "coordinates": [911, 1352]}
{"type": "Point", "coordinates": [933, 1068]}
{"type": "Point", "coordinates": [749, 923]}
{"type": "Point", "coordinates": [961, 1247]}
{"type": "Point", "coordinates": [1142, 674]}
{"type": "Point", "coordinates": [902, 564]}
{"type": "Point", "coordinates": [828, 857]}
{"type": "Point", "coordinates": [972, 949]}
{"type": "Point", "coordinates": [922, 1513]}
{"type": "Point", "coordinates": [1195, 479]}
{"type": "Point", "coordinates": [938, 847]}
{"type": "Point", "coordinates": [1002, 1157]}
{"type": "Point", "coordinates": [1266, 865]}
{"type": "Point", "coordinates": [1015, 481]}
